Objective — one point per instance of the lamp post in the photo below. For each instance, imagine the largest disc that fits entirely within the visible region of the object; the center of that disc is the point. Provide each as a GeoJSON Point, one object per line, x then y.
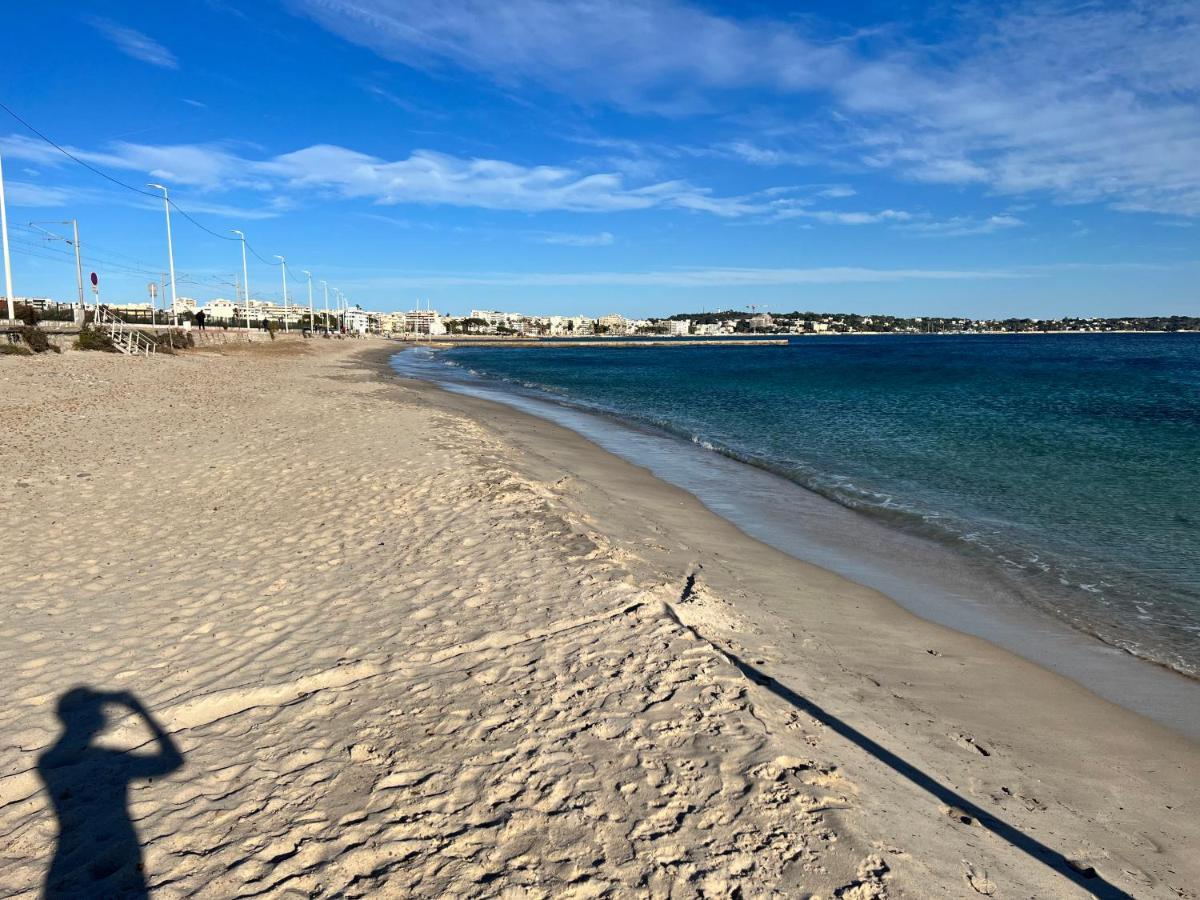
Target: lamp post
{"type": "Point", "coordinates": [312, 325]}
{"type": "Point", "coordinates": [325, 319]}
{"type": "Point", "coordinates": [170, 251]}
{"type": "Point", "coordinates": [283, 269]}
{"type": "Point", "coordinates": [8, 288]}
{"type": "Point", "coordinates": [245, 281]}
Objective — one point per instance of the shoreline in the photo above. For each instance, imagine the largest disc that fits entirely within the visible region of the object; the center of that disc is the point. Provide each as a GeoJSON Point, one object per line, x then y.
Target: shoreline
{"type": "Point", "coordinates": [900, 666]}
{"type": "Point", "coordinates": [761, 505]}
{"type": "Point", "coordinates": [413, 643]}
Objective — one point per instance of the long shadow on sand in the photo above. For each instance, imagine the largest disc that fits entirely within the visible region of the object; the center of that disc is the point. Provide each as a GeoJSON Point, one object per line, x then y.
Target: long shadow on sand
{"type": "Point", "coordinates": [98, 852]}
{"type": "Point", "coordinates": [1085, 877]}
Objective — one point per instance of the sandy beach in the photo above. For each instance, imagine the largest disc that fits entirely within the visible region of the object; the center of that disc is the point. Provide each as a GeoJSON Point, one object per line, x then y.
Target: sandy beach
{"type": "Point", "coordinates": [348, 635]}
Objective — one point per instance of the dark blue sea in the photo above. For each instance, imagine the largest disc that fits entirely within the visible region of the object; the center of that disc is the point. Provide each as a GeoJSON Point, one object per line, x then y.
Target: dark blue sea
{"type": "Point", "coordinates": [1066, 465]}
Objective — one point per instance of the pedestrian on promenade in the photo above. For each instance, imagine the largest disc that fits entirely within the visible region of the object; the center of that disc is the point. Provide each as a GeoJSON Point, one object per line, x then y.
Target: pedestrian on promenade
{"type": "Point", "coordinates": [200, 317]}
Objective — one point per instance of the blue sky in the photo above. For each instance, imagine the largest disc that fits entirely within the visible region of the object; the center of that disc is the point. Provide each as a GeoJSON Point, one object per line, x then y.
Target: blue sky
{"type": "Point", "coordinates": [645, 157]}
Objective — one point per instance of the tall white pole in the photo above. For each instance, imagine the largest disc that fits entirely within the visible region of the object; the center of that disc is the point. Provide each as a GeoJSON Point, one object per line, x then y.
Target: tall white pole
{"type": "Point", "coordinates": [312, 325]}
{"type": "Point", "coordinates": [245, 281]}
{"type": "Point", "coordinates": [325, 320]}
{"type": "Point", "coordinates": [170, 253]}
{"type": "Point", "coordinates": [283, 269]}
{"type": "Point", "coordinates": [8, 288]}
{"type": "Point", "coordinates": [78, 261]}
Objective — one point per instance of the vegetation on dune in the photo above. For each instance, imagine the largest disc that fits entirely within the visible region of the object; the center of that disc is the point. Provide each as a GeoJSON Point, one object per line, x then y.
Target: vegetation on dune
{"type": "Point", "coordinates": [36, 339]}
{"type": "Point", "coordinates": [174, 339]}
{"type": "Point", "coordinates": [91, 339]}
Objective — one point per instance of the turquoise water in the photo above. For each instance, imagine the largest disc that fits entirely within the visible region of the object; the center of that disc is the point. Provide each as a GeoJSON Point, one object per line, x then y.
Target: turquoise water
{"type": "Point", "coordinates": [1067, 463]}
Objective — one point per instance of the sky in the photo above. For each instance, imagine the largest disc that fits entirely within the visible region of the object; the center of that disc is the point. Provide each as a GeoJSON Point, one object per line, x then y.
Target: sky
{"type": "Point", "coordinates": [588, 157]}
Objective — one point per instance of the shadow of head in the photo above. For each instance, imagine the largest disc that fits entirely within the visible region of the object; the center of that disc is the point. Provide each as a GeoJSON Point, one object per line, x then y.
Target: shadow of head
{"type": "Point", "coordinates": [98, 852]}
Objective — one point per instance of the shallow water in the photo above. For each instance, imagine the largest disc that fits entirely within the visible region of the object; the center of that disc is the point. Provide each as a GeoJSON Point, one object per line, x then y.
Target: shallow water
{"type": "Point", "coordinates": [1041, 473]}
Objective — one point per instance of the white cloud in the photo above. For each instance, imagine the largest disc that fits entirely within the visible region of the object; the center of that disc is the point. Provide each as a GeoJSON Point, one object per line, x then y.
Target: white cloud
{"type": "Point", "coordinates": [430, 178]}
{"type": "Point", "coordinates": [764, 156]}
{"type": "Point", "coordinates": [961, 226]}
{"type": "Point", "coordinates": [657, 56]}
{"type": "Point", "coordinates": [134, 43]}
{"type": "Point", "coordinates": [837, 191]}
{"type": "Point", "coordinates": [23, 193]}
{"type": "Point", "coordinates": [696, 277]}
{"type": "Point", "coordinates": [1083, 102]}
{"type": "Point", "coordinates": [836, 217]}
{"type": "Point", "coordinates": [424, 177]}
{"type": "Point", "coordinates": [602, 239]}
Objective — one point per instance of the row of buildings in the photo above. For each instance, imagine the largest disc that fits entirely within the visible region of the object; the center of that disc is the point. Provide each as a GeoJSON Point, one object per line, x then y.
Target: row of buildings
{"type": "Point", "coordinates": [497, 322]}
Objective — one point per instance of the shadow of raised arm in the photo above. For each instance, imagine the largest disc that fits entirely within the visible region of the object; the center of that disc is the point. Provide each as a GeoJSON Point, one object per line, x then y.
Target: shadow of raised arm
{"type": "Point", "coordinates": [98, 852]}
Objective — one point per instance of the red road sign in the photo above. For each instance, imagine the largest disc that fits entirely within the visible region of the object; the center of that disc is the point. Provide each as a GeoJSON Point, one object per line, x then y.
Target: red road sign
{"type": "Point", "coordinates": [95, 280]}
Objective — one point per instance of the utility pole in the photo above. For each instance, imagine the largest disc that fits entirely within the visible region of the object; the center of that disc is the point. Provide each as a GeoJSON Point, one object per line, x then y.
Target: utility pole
{"type": "Point", "coordinates": [78, 260]}
{"type": "Point", "coordinates": [8, 288]}
{"type": "Point", "coordinates": [283, 269]}
{"type": "Point", "coordinates": [170, 252]}
{"type": "Point", "coordinates": [74, 242]}
{"type": "Point", "coordinates": [312, 324]}
{"type": "Point", "coordinates": [245, 281]}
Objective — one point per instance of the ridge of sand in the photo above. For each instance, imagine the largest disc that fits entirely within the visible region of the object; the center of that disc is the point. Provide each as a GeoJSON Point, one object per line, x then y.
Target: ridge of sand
{"type": "Point", "coordinates": [404, 655]}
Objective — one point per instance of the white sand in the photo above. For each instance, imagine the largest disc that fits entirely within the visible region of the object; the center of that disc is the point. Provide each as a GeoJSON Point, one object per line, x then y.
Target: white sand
{"type": "Point", "coordinates": [410, 644]}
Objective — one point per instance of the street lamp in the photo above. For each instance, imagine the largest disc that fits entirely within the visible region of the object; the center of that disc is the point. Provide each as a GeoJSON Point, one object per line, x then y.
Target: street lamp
{"type": "Point", "coordinates": [170, 252]}
{"type": "Point", "coordinates": [8, 288]}
{"type": "Point", "coordinates": [312, 325]}
{"type": "Point", "coordinates": [283, 269]}
{"type": "Point", "coordinates": [245, 281]}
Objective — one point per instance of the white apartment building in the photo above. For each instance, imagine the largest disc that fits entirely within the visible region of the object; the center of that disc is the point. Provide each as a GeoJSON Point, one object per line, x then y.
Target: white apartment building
{"type": "Point", "coordinates": [423, 321]}
{"type": "Point", "coordinates": [358, 321]}
{"type": "Point", "coordinates": [223, 310]}
{"type": "Point", "coordinates": [679, 327]}
{"type": "Point", "coordinates": [614, 323]}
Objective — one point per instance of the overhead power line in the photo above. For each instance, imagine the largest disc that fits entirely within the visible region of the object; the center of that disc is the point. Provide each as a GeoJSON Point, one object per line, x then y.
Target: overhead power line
{"type": "Point", "coordinates": [129, 187]}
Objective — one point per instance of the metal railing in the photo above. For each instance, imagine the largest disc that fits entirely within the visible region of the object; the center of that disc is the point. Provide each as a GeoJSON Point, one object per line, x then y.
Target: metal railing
{"type": "Point", "coordinates": [129, 340]}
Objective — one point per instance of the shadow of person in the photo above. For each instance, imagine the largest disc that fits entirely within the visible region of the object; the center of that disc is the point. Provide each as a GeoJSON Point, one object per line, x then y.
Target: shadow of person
{"type": "Point", "coordinates": [98, 852]}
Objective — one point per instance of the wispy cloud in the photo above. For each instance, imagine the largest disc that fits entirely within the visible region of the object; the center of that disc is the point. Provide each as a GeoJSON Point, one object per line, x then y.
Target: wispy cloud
{"type": "Point", "coordinates": [601, 239]}
{"type": "Point", "coordinates": [696, 278]}
{"type": "Point", "coordinates": [1081, 102]}
{"type": "Point", "coordinates": [424, 177]}
{"type": "Point", "coordinates": [24, 193]}
{"type": "Point", "coordinates": [134, 43]}
{"type": "Point", "coordinates": [962, 226]}
{"type": "Point", "coordinates": [836, 217]}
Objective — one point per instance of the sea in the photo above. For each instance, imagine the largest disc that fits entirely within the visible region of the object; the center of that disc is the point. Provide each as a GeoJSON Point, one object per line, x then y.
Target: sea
{"type": "Point", "coordinates": [1038, 490]}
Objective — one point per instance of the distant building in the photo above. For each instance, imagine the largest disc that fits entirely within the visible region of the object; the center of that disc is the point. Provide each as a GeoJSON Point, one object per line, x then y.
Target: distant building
{"type": "Point", "coordinates": [613, 324]}
{"type": "Point", "coordinates": [358, 321]}
{"type": "Point", "coordinates": [223, 310]}
{"type": "Point", "coordinates": [391, 323]}
{"type": "Point", "coordinates": [679, 327]}
{"type": "Point", "coordinates": [761, 322]}
{"type": "Point", "coordinates": [423, 321]}
{"type": "Point", "coordinates": [137, 309]}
